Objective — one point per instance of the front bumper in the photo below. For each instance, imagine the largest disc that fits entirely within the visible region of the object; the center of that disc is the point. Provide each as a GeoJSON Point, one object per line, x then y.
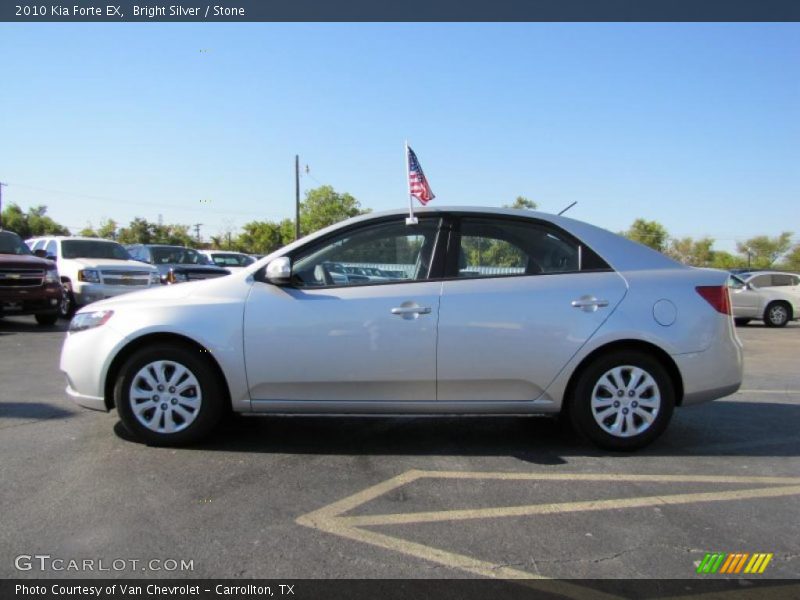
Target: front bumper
{"type": "Point", "coordinates": [92, 402]}
{"type": "Point", "coordinates": [85, 359]}
{"type": "Point", "coordinates": [30, 301]}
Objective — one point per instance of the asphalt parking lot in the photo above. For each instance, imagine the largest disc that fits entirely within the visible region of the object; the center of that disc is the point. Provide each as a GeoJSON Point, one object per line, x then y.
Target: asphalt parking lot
{"type": "Point", "coordinates": [399, 498]}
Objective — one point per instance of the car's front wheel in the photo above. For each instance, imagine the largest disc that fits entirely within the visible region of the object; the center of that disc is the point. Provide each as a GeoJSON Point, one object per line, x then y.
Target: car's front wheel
{"type": "Point", "coordinates": [66, 308]}
{"type": "Point", "coordinates": [622, 401]}
{"type": "Point", "coordinates": [169, 395]}
{"type": "Point", "coordinates": [776, 314]}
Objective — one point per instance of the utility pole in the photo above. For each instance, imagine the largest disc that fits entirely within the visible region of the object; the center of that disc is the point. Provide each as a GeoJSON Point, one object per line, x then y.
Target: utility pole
{"type": "Point", "coordinates": [297, 196]}
{"type": "Point", "coordinates": [1, 202]}
{"type": "Point", "coordinates": [197, 230]}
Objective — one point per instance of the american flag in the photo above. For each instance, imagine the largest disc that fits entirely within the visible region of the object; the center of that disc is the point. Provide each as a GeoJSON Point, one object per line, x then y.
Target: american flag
{"type": "Point", "coordinates": [417, 182]}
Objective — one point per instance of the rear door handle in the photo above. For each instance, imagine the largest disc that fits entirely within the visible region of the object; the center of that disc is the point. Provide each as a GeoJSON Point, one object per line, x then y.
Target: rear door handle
{"type": "Point", "coordinates": [589, 303]}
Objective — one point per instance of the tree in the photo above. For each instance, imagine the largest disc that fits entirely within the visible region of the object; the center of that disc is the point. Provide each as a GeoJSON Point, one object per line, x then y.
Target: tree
{"type": "Point", "coordinates": [141, 231]}
{"type": "Point", "coordinates": [107, 229]}
{"type": "Point", "coordinates": [649, 233]}
{"type": "Point", "coordinates": [762, 251]}
{"type": "Point", "coordinates": [522, 202]}
{"type": "Point", "coordinates": [260, 237]}
{"type": "Point", "coordinates": [726, 260]}
{"type": "Point", "coordinates": [792, 260]}
{"type": "Point", "coordinates": [33, 223]}
{"type": "Point", "coordinates": [88, 231]}
{"type": "Point", "coordinates": [324, 206]}
{"type": "Point", "coordinates": [697, 253]}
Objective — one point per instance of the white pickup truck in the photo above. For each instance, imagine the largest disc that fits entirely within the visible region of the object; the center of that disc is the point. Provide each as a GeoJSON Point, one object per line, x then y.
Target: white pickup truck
{"type": "Point", "coordinates": [92, 269]}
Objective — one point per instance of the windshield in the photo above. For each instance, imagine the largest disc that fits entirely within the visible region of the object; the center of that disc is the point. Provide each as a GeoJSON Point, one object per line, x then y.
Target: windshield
{"type": "Point", "coordinates": [735, 283]}
{"type": "Point", "coordinates": [11, 244]}
{"type": "Point", "coordinates": [176, 255]}
{"type": "Point", "coordinates": [93, 249]}
{"type": "Point", "coordinates": [232, 260]}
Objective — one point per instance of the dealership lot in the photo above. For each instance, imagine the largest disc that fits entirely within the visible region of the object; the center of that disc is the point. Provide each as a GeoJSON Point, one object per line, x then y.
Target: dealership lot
{"type": "Point", "coordinates": [406, 498]}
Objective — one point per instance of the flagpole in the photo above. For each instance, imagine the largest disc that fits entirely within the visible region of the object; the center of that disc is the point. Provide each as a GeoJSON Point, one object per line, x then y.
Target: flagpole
{"type": "Point", "coordinates": [411, 219]}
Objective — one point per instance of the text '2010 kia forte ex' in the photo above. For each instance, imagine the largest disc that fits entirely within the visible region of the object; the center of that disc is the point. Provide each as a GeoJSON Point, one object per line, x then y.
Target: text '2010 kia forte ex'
{"type": "Point", "coordinates": [468, 312]}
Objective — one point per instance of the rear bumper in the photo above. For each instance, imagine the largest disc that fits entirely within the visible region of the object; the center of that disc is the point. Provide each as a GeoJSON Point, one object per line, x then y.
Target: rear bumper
{"type": "Point", "coordinates": [714, 373]}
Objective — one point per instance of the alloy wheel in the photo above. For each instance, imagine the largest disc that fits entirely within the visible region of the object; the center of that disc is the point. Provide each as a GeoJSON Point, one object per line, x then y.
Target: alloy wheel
{"type": "Point", "coordinates": [625, 401]}
{"type": "Point", "coordinates": [165, 396]}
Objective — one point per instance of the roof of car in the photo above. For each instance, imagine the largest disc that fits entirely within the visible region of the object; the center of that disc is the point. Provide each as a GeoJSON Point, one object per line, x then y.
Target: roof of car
{"type": "Point", "coordinates": [70, 237]}
{"type": "Point", "coordinates": [754, 273]}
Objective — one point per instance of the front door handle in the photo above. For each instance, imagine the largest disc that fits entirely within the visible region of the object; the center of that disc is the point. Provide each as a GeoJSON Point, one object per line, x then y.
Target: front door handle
{"type": "Point", "coordinates": [589, 303]}
{"type": "Point", "coordinates": [411, 310]}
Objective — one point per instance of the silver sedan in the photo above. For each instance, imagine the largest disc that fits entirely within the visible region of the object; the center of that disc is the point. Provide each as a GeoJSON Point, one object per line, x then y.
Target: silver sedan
{"type": "Point", "coordinates": [482, 312]}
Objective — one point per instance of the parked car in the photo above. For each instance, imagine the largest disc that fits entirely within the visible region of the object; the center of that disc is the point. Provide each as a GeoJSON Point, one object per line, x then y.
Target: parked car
{"type": "Point", "coordinates": [176, 264]}
{"type": "Point", "coordinates": [29, 285]}
{"type": "Point", "coordinates": [93, 269]}
{"type": "Point", "coordinates": [771, 304]}
{"type": "Point", "coordinates": [233, 261]}
{"type": "Point", "coordinates": [780, 281]}
{"type": "Point", "coordinates": [606, 332]}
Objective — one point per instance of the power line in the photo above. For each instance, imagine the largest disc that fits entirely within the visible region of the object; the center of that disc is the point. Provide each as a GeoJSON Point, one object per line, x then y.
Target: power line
{"type": "Point", "coordinates": [133, 202]}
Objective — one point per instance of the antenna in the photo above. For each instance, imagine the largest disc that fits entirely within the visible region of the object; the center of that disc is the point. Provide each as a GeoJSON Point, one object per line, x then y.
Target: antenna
{"type": "Point", "coordinates": [566, 209]}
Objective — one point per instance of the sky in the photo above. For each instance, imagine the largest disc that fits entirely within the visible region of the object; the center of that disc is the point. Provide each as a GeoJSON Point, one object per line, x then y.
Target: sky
{"type": "Point", "coordinates": [696, 126]}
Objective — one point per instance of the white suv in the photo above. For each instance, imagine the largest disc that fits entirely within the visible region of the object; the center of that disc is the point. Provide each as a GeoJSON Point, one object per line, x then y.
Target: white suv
{"type": "Point", "coordinates": [93, 269]}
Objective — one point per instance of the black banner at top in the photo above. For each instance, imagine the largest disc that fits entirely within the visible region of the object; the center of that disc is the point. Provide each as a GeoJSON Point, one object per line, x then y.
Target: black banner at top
{"type": "Point", "coordinates": [397, 11]}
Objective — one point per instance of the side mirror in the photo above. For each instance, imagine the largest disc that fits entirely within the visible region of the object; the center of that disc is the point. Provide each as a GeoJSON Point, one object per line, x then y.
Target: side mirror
{"type": "Point", "coordinates": [279, 271]}
{"type": "Point", "coordinates": [40, 253]}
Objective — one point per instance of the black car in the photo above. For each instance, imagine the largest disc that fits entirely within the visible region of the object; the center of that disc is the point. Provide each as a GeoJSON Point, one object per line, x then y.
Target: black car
{"type": "Point", "coordinates": [176, 263]}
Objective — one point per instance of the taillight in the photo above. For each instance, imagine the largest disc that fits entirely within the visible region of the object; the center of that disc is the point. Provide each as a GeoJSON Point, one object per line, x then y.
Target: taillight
{"type": "Point", "coordinates": [717, 296]}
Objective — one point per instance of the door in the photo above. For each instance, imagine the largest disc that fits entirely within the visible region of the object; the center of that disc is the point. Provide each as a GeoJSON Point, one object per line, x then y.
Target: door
{"type": "Point", "coordinates": [358, 322]}
{"type": "Point", "coordinates": [520, 300]}
{"type": "Point", "coordinates": [745, 301]}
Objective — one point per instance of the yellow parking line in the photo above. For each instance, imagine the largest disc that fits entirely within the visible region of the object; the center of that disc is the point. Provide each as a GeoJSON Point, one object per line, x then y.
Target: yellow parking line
{"type": "Point", "coordinates": [604, 477]}
{"type": "Point", "coordinates": [566, 507]}
{"type": "Point", "coordinates": [331, 519]}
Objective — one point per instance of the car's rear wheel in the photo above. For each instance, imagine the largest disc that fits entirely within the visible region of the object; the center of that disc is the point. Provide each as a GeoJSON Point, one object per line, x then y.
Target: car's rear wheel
{"type": "Point", "coordinates": [776, 314]}
{"type": "Point", "coordinates": [169, 395]}
{"type": "Point", "coordinates": [741, 321]}
{"type": "Point", "coordinates": [622, 401]}
{"type": "Point", "coordinates": [46, 319]}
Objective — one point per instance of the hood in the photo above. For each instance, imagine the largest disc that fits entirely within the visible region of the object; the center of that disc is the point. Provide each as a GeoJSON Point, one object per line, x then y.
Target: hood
{"type": "Point", "coordinates": [155, 295]}
{"type": "Point", "coordinates": [176, 295]}
{"type": "Point", "coordinates": [25, 261]}
{"type": "Point", "coordinates": [195, 268]}
{"type": "Point", "coordinates": [112, 263]}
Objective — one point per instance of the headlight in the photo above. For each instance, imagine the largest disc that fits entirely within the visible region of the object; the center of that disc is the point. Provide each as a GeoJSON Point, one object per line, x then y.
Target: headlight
{"type": "Point", "coordinates": [88, 320]}
{"type": "Point", "coordinates": [51, 276]}
{"type": "Point", "coordinates": [90, 275]}
{"type": "Point", "coordinates": [155, 277]}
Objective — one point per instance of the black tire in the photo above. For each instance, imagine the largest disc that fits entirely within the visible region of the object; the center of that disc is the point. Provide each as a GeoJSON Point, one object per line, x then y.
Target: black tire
{"type": "Point", "coordinates": [777, 314]}
{"type": "Point", "coordinates": [741, 321]}
{"type": "Point", "coordinates": [212, 404]}
{"type": "Point", "coordinates": [66, 308]}
{"type": "Point", "coordinates": [46, 319]}
{"type": "Point", "coordinates": [579, 406]}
